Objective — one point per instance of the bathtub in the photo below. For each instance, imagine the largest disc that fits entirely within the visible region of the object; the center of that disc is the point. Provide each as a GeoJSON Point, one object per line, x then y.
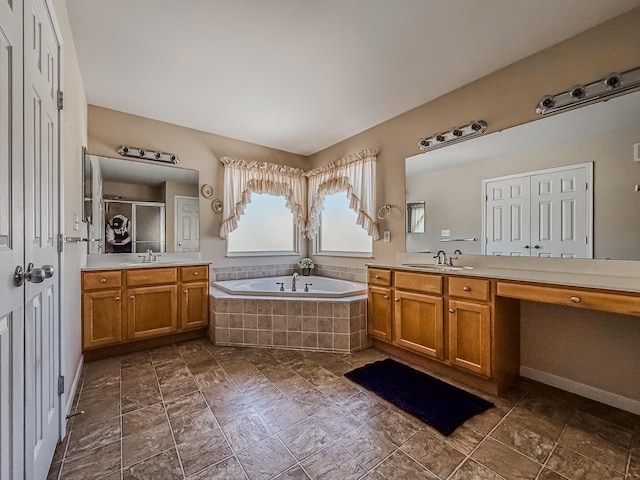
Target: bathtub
{"type": "Point", "coordinates": [319, 287]}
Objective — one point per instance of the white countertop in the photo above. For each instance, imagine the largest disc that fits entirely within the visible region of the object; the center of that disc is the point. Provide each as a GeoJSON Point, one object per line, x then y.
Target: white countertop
{"type": "Point", "coordinates": [615, 275]}
{"type": "Point", "coordinates": [132, 260]}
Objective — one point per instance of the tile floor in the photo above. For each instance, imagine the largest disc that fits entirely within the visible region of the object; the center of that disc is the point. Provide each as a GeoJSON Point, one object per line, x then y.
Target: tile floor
{"type": "Point", "coordinates": [201, 411]}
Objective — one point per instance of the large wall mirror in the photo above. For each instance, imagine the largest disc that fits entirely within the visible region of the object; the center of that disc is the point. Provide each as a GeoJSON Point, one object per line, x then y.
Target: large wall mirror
{"type": "Point", "coordinates": [131, 206]}
{"type": "Point", "coordinates": [450, 180]}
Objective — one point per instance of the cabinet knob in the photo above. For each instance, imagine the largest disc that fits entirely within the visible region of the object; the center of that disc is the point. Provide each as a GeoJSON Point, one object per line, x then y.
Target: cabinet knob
{"type": "Point", "coordinates": [575, 299]}
{"type": "Point", "coordinates": [452, 310]}
{"type": "Point", "coordinates": [386, 297]}
{"type": "Point", "coordinates": [397, 299]}
{"type": "Point", "coordinates": [377, 277]}
{"type": "Point", "coordinates": [117, 299]}
{"type": "Point", "coordinates": [131, 297]}
{"type": "Point", "coordinates": [195, 274]}
{"type": "Point", "coordinates": [103, 280]}
{"type": "Point", "coordinates": [466, 289]}
{"type": "Point", "coordinates": [185, 292]}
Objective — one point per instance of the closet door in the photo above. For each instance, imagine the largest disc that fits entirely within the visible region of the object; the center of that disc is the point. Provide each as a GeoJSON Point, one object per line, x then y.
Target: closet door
{"type": "Point", "coordinates": [11, 243]}
{"type": "Point", "coordinates": [507, 217]}
{"type": "Point", "coordinates": [41, 226]}
{"type": "Point", "coordinates": [560, 219]}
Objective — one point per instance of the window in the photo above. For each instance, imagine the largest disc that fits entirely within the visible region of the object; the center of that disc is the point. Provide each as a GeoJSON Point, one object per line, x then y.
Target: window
{"type": "Point", "coordinates": [339, 233]}
{"type": "Point", "coordinates": [266, 227]}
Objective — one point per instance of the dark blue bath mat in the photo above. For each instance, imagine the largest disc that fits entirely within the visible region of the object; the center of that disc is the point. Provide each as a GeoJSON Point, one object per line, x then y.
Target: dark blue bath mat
{"type": "Point", "coordinates": [435, 402]}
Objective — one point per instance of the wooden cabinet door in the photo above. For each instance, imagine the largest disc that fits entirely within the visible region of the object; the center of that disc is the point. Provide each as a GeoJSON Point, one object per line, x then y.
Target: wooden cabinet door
{"type": "Point", "coordinates": [194, 305]}
{"type": "Point", "coordinates": [152, 311]}
{"type": "Point", "coordinates": [379, 313]}
{"type": "Point", "coordinates": [470, 336]}
{"type": "Point", "coordinates": [101, 318]}
{"type": "Point", "coordinates": [419, 323]}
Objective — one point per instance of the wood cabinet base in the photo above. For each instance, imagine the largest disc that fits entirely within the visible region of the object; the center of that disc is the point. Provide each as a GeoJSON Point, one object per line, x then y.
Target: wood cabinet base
{"type": "Point", "coordinates": [145, 344]}
{"type": "Point", "coordinates": [438, 369]}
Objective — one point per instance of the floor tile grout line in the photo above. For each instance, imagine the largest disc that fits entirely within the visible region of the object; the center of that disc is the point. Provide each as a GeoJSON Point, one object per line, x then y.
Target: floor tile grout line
{"type": "Point", "coordinates": [555, 445]}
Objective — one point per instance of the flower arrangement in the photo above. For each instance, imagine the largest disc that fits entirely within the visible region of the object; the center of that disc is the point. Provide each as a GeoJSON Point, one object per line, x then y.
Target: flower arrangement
{"type": "Point", "coordinates": [306, 262]}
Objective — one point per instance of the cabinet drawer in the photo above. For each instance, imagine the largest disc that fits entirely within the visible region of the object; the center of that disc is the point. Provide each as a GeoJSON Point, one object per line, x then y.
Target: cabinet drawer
{"type": "Point", "coordinates": [151, 276]}
{"type": "Point", "coordinates": [378, 276]}
{"type": "Point", "coordinates": [609, 302]}
{"type": "Point", "coordinates": [420, 282]}
{"type": "Point", "coordinates": [471, 288]}
{"type": "Point", "coordinates": [197, 273]}
{"type": "Point", "coordinates": [100, 280]}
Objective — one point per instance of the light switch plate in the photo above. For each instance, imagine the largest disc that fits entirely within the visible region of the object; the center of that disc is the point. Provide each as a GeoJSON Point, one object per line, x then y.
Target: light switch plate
{"type": "Point", "coordinates": [387, 236]}
{"type": "Point", "coordinates": [636, 152]}
{"type": "Point", "coordinates": [445, 233]}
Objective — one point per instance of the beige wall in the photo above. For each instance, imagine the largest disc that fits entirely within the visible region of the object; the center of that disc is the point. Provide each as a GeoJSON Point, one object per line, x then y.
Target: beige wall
{"type": "Point", "coordinates": [73, 132]}
{"type": "Point", "coordinates": [506, 98]}
{"type": "Point", "coordinates": [197, 150]}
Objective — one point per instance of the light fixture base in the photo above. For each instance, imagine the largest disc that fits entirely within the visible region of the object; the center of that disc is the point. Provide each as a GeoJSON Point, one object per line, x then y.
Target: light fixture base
{"type": "Point", "coordinates": [145, 154]}
{"type": "Point", "coordinates": [456, 135]}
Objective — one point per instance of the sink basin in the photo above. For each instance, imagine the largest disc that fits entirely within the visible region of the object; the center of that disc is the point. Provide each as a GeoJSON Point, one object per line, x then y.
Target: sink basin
{"type": "Point", "coordinates": [434, 268]}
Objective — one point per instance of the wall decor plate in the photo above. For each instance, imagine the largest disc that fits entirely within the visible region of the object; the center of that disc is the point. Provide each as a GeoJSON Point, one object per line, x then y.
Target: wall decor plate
{"type": "Point", "coordinates": [207, 191]}
{"type": "Point", "coordinates": [216, 206]}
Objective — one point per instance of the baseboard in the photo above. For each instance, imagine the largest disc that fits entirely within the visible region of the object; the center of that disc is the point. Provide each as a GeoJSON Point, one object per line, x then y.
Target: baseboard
{"type": "Point", "coordinates": [74, 386]}
{"type": "Point", "coordinates": [587, 391]}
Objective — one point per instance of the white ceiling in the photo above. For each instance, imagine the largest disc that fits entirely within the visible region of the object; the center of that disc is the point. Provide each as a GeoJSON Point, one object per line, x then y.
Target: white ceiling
{"type": "Point", "coordinates": [302, 75]}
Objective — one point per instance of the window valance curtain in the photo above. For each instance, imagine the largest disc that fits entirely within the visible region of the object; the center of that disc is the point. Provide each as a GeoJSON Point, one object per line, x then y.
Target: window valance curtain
{"type": "Point", "coordinates": [354, 173]}
{"type": "Point", "coordinates": [242, 178]}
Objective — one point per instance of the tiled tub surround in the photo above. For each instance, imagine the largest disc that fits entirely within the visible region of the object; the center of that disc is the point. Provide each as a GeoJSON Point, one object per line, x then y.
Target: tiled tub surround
{"type": "Point", "coordinates": [331, 324]}
{"type": "Point", "coordinates": [241, 272]}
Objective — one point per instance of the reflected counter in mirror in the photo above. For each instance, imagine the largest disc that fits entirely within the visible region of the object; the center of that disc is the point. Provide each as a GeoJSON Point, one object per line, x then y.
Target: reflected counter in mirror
{"type": "Point", "coordinates": [449, 180]}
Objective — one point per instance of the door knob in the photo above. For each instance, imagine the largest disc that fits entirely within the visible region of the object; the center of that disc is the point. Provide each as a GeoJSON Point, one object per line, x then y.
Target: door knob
{"type": "Point", "coordinates": [48, 271]}
{"type": "Point", "coordinates": [33, 275]}
{"type": "Point", "coordinates": [537, 247]}
{"type": "Point", "coordinates": [526, 246]}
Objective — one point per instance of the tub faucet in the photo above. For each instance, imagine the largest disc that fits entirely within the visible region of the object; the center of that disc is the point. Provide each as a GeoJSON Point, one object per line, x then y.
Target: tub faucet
{"type": "Point", "coordinates": [294, 278]}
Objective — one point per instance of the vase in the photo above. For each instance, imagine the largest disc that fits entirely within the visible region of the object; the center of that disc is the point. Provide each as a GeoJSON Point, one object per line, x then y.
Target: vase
{"type": "Point", "coordinates": [306, 272]}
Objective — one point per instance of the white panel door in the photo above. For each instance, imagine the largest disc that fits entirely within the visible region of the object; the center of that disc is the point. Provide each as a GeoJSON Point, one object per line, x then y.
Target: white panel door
{"type": "Point", "coordinates": [187, 224]}
{"type": "Point", "coordinates": [41, 228]}
{"type": "Point", "coordinates": [11, 243]}
{"type": "Point", "coordinates": [559, 214]}
{"type": "Point", "coordinates": [507, 217]}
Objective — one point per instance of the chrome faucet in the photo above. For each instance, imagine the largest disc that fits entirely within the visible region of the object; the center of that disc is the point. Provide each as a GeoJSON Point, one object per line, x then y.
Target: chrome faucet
{"type": "Point", "coordinates": [294, 278]}
{"type": "Point", "coordinates": [441, 258]}
{"type": "Point", "coordinates": [149, 257]}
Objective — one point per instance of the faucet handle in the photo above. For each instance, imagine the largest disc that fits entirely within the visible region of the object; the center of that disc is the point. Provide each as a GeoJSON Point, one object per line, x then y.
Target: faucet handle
{"type": "Point", "coordinates": [306, 286]}
{"type": "Point", "coordinates": [281, 286]}
{"type": "Point", "coordinates": [451, 259]}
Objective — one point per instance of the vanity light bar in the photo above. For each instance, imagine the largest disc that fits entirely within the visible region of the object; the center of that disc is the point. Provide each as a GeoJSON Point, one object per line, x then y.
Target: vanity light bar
{"type": "Point", "coordinates": [147, 154]}
{"type": "Point", "coordinates": [474, 129]}
{"type": "Point", "coordinates": [612, 85]}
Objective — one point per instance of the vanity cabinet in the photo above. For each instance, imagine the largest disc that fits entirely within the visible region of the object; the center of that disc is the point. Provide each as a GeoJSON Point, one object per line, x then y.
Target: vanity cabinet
{"type": "Point", "coordinates": [379, 303]}
{"type": "Point", "coordinates": [123, 306]}
{"type": "Point", "coordinates": [469, 319]}
{"type": "Point", "coordinates": [445, 320]}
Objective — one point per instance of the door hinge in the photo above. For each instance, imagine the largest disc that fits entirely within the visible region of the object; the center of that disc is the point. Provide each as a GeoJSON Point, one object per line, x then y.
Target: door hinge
{"type": "Point", "coordinates": [60, 100]}
{"type": "Point", "coordinates": [60, 384]}
{"type": "Point", "coordinates": [60, 242]}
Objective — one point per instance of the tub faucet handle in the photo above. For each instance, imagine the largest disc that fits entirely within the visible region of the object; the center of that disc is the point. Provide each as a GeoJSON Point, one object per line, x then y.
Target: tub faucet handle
{"type": "Point", "coordinates": [306, 286]}
{"type": "Point", "coordinates": [281, 286]}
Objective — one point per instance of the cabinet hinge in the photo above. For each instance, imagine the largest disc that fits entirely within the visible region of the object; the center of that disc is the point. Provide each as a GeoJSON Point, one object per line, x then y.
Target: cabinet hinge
{"type": "Point", "coordinates": [60, 100]}
{"type": "Point", "coordinates": [60, 242]}
{"type": "Point", "coordinates": [60, 384]}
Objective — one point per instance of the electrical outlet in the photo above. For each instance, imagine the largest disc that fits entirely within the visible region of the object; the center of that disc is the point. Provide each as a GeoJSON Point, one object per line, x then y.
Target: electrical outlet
{"type": "Point", "coordinates": [445, 233]}
{"type": "Point", "coordinates": [387, 236]}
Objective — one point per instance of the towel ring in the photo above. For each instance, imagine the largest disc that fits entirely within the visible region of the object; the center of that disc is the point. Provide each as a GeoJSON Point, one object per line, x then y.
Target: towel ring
{"type": "Point", "coordinates": [383, 216]}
